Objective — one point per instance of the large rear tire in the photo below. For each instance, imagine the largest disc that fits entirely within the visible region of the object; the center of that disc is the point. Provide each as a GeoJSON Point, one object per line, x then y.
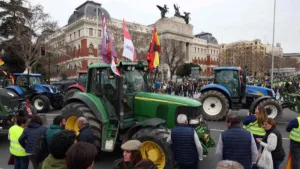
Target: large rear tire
{"type": "Point", "coordinates": [215, 105]}
{"type": "Point", "coordinates": [69, 93]}
{"type": "Point", "coordinates": [155, 146]}
{"type": "Point", "coordinates": [41, 103]}
{"type": "Point", "coordinates": [272, 108]}
{"type": "Point", "coordinates": [75, 110]}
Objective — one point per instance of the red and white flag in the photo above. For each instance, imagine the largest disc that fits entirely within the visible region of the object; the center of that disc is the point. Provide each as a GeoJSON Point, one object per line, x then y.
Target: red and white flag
{"type": "Point", "coordinates": [114, 67]}
{"type": "Point", "coordinates": [128, 49]}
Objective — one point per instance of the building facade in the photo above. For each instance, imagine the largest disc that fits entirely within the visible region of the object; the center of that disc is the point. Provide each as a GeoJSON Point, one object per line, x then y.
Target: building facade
{"type": "Point", "coordinates": [76, 44]}
{"type": "Point", "coordinates": [278, 51]}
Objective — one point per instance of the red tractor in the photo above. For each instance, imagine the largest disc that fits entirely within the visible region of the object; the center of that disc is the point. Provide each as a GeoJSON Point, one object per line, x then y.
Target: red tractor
{"type": "Point", "coordinates": [78, 87]}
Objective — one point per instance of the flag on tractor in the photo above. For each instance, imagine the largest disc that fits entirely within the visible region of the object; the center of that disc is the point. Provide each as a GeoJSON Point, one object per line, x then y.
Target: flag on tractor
{"type": "Point", "coordinates": [1, 62]}
{"type": "Point", "coordinates": [289, 162]}
{"type": "Point", "coordinates": [107, 47]}
{"type": "Point", "coordinates": [128, 48]}
{"type": "Point", "coordinates": [154, 51]}
{"type": "Point", "coordinates": [114, 67]}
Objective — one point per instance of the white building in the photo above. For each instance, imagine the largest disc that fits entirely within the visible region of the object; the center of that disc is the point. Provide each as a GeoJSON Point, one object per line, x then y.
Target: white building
{"type": "Point", "coordinates": [82, 36]}
{"type": "Point", "coordinates": [278, 51]}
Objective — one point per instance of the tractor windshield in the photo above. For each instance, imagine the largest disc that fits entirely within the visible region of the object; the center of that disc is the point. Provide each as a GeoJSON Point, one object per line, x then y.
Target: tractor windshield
{"type": "Point", "coordinates": [82, 79]}
{"type": "Point", "coordinates": [133, 81]}
{"type": "Point", "coordinates": [230, 79]}
{"type": "Point", "coordinates": [23, 80]}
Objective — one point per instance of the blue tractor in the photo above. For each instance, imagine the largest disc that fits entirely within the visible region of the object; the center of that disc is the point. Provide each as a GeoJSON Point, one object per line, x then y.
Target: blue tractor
{"type": "Point", "coordinates": [230, 91]}
{"type": "Point", "coordinates": [40, 95]}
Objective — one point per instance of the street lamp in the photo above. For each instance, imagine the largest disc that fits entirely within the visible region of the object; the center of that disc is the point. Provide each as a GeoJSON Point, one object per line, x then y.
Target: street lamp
{"type": "Point", "coordinates": [273, 52]}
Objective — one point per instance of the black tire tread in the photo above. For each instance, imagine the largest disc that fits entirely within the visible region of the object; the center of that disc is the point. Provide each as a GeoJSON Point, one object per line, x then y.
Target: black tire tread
{"type": "Point", "coordinates": [46, 103]}
{"type": "Point", "coordinates": [69, 93]}
{"type": "Point", "coordinates": [272, 102]}
{"type": "Point", "coordinates": [85, 111]}
{"type": "Point", "coordinates": [158, 135]}
{"type": "Point", "coordinates": [224, 101]}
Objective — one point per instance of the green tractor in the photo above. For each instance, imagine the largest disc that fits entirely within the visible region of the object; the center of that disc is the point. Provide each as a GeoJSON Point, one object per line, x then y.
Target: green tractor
{"type": "Point", "coordinates": [119, 109]}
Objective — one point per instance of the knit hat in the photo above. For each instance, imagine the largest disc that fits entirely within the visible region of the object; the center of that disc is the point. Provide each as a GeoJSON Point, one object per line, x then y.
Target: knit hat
{"type": "Point", "coordinates": [131, 145]}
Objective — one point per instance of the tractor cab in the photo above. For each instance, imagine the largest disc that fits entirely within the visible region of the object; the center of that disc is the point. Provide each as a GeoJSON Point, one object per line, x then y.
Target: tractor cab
{"type": "Point", "coordinates": [82, 76]}
{"type": "Point", "coordinates": [26, 83]}
{"type": "Point", "coordinates": [232, 78]}
{"type": "Point", "coordinates": [118, 92]}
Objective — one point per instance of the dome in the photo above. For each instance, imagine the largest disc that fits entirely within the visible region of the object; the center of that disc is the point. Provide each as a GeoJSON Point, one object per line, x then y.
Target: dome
{"type": "Point", "coordinates": [88, 9]}
{"type": "Point", "coordinates": [207, 36]}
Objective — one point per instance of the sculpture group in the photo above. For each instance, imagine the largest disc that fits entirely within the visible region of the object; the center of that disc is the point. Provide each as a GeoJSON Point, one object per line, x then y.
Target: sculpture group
{"type": "Point", "coordinates": [165, 10]}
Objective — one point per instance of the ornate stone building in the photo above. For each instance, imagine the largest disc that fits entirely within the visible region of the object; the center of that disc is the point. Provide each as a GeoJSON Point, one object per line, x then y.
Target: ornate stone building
{"type": "Point", "coordinates": [77, 43]}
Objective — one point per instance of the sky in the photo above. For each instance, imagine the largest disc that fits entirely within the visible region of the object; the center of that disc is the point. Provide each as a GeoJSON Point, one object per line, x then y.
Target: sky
{"type": "Point", "coordinates": [228, 20]}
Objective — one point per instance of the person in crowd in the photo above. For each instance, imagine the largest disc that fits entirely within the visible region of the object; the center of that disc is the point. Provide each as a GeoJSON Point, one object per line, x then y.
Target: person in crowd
{"type": "Point", "coordinates": [272, 142]}
{"type": "Point", "coordinates": [226, 164]}
{"type": "Point", "coordinates": [30, 137]}
{"type": "Point", "coordinates": [254, 123]}
{"type": "Point", "coordinates": [21, 160]}
{"type": "Point", "coordinates": [59, 123]}
{"type": "Point", "coordinates": [131, 155]}
{"type": "Point", "coordinates": [294, 129]}
{"type": "Point", "coordinates": [236, 144]}
{"type": "Point", "coordinates": [58, 147]}
{"type": "Point", "coordinates": [81, 156]}
{"type": "Point", "coordinates": [185, 138]}
{"type": "Point", "coordinates": [85, 131]}
{"type": "Point", "coordinates": [145, 164]}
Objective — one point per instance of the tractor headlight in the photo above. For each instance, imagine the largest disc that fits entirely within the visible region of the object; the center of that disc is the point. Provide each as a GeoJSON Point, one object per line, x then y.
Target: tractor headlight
{"type": "Point", "coordinates": [194, 121]}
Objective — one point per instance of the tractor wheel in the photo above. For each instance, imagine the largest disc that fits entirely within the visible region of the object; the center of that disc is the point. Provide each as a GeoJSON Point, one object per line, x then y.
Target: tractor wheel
{"type": "Point", "coordinates": [272, 108]}
{"type": "Point", "coordinates": [75, 110]}
{"type": "Point", "coordinates": [155, 146]}
{"type": "Point", "coordinates": [70, 93]}
{"type": "Point", "coordinates": [215, 105]}
{"type": "Point", "coordinates": [41, 103]}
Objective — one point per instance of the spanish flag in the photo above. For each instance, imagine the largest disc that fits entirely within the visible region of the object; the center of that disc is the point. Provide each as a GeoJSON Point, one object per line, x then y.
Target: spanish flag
{"type": "Point", "coordinates": [1, 62]}
{"type": "Point", "coordinates": [154, 51]}
{"type": "Point", "coordinates": [289, 162]}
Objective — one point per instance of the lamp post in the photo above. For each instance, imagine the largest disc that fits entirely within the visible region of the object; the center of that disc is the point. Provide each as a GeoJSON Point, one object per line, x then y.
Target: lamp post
{"type": "Point", "coordinates": [273, 52]}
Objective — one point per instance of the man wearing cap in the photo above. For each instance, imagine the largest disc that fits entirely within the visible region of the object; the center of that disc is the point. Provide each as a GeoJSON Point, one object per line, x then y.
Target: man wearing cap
{"type": "Point", "coordinates": [131, 155]}
{"type": "Point", "coordinates": [85, 131]}
{"type": "Point", "coordinates": [186, 145]}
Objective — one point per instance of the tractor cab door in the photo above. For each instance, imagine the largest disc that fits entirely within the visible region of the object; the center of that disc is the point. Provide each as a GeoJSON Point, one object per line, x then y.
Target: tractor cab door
{"type": "Point", "coordinates": [22, 82]}
{"type": "Point", "coordinates": [229, 79]}
{"type": "Point", "coordinates": [105, 88]}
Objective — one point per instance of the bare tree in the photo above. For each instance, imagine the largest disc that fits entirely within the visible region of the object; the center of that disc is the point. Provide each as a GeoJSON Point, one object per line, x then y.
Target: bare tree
{"type": "Point", "coordinates": [26, 41]}
{"type": "Point", "coordinates": [172, 54]}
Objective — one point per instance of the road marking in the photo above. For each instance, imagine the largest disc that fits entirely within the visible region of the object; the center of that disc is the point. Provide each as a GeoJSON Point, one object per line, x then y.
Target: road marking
{"type": "Point", "coordinates": [224, 130]}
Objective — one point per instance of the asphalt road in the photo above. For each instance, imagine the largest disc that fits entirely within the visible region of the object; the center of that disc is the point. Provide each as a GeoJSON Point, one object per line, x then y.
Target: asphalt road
{"type": "Point", "coordinates": [106, 160]}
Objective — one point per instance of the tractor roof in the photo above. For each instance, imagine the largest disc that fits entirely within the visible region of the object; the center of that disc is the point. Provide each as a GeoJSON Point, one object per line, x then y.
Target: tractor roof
{"type": "Point", "coordinates": [104, 65]}
{"type": "Point", "coordinates": [82, 71]}
{"type": "Point", "coordinates": [25, 74]}
{"type": "Point", "coordinates": [226, 68]}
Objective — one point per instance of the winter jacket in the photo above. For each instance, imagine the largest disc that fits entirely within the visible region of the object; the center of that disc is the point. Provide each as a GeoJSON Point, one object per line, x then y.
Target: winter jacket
{"type": "Point", "coordinates": [30, 136]}
{"type": "Point", "coordinates": [118, 164]}
{"type": "Point", "coordinates": [86, 135]}
{"type": "Point", "coordinates": [53, 129]}
{"type": "Point", "coordinates": [52, 163]}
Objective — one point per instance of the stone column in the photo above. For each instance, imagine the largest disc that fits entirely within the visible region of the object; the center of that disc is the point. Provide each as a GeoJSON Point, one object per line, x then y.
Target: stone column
{"type": "Point", "coordinates": [187, 54]}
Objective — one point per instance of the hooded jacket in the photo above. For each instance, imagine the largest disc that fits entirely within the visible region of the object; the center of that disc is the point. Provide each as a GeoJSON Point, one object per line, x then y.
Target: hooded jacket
{"type": "Point", "coordinates": [52, 163]}
{"type": "Point", "coordinates": [30, 136]}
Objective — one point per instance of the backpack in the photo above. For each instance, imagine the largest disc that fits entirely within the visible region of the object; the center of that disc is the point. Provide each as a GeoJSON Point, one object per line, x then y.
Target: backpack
{"type": "Point", "coordinates": [41, 149]}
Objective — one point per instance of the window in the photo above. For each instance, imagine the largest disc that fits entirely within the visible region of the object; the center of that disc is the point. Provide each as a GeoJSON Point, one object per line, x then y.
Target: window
{"type": "Point", "coordinates": [99, 33]}
{"type": "Point", "coordinates": [70, 37]}
{"type": "Point", "coordinates": [201, 50]}
{"type": "Point", "coordinates": [195, 49]}
{"type": "Point", "coordinates": [204, 50]}
{"type": "Point", "coordinates": [214, 52]}
{"type": "Point", "coordinates": [211, 51]}
{"type": "Point", "coordinates": [79, 34]}
{"type": "Point", "coordinates": [90, 31]}
{"type": "Point", "coordinates": [198, 50]}
{"type": "Point", "coordinates": [91, 49]}
{"type": "Point", "coordinates": [74, 35]}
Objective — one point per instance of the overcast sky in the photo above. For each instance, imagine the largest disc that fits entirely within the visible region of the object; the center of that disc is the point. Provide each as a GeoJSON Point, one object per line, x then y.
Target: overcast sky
{"type": "Point", "coordinates": [227, 20]}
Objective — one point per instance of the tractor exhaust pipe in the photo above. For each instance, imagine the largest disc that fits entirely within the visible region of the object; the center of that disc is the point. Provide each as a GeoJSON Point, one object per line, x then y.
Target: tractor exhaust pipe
{"type": "Point", "coordinates": [120, 98]}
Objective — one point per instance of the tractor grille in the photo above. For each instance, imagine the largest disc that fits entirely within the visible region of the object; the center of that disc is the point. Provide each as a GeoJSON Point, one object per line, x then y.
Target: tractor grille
{"type": "Point", "coordinates": [190, 112]}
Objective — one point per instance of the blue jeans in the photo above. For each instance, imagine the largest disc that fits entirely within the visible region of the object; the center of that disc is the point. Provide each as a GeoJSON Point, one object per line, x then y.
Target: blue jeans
{"type": "Point", "coordinates": [276, 163]}
{"type": "Point", "coordinates": [21, 162]}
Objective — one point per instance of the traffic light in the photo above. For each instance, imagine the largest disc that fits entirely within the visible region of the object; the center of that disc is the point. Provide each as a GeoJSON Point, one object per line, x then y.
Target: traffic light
{"type": "Point", "coordinates": [43, 51]}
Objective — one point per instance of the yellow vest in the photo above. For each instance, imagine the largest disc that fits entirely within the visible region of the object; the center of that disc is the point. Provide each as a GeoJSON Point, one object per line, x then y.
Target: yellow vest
{"type": "Point", "coordinates": [295, 133]}
{"type": "Point", "coordinates": [15, 147]}
{"type": "Point", "coordinates": [255, 129]}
